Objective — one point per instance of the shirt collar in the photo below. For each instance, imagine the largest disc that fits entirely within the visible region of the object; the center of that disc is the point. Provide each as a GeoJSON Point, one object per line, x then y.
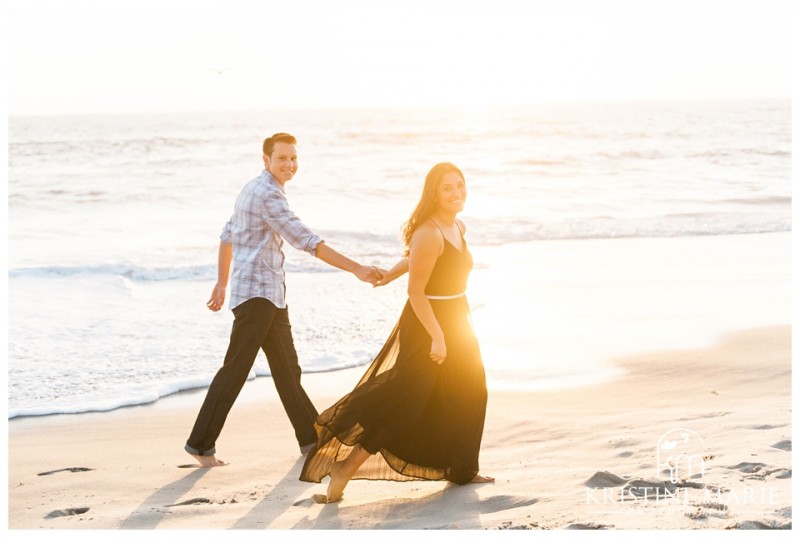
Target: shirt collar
{"type": "Point", "coordinates": [270, 178]}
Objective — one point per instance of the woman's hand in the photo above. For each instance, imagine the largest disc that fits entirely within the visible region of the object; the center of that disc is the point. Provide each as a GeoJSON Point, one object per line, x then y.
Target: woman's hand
{"type": "Point", "coordinates": [438, 350]}
{"type": "Point", "coordinates": [382, 281]}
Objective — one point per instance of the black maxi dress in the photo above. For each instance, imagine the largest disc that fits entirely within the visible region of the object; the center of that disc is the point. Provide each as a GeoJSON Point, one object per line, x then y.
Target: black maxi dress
{"type": "Point", "coordinates": [417, 419]}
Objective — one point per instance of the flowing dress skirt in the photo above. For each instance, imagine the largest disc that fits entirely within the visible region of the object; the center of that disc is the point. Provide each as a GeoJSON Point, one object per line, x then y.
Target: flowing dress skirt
{"type": "Point", "coordinates": [418, 419]}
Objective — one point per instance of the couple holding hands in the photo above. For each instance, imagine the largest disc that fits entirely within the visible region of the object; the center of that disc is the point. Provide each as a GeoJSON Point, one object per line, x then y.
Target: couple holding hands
{"type": "Point", "coordinates": [418, 411]}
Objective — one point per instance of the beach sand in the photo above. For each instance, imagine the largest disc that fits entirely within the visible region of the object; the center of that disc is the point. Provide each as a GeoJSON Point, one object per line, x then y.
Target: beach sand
{"type": "Point", "coordinates": [585, 457]}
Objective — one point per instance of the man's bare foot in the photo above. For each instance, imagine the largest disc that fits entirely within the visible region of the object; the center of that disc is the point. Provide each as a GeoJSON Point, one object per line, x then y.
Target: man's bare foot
{"type": "Point", "coordinates": [478, 479]}
{"type": "Point", "coordinates": [208, 461]}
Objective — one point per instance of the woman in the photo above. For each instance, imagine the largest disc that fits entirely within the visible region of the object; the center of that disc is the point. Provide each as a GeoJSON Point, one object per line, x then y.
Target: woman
{"type": "Point", "coordinates": [418, 411]}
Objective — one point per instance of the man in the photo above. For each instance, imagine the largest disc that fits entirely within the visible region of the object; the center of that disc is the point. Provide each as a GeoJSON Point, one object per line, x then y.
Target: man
{"type": "Point", "coordinates": [253, 238]}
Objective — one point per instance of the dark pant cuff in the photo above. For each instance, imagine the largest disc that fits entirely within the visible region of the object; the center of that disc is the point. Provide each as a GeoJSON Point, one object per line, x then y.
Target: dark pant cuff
{"type": "Point", "coordinates": [210, 452]}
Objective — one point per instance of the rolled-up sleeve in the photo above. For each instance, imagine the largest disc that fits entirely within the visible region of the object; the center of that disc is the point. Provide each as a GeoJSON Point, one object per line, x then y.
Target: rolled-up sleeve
{"type": "Point", "coordinates": [281, 218]}
{"type": "Point", "coordinates": [226, 236]}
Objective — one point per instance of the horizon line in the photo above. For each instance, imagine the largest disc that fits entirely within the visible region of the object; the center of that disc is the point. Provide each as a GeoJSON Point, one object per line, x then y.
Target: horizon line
{"type": "Point", "coordinates": [406, 106]}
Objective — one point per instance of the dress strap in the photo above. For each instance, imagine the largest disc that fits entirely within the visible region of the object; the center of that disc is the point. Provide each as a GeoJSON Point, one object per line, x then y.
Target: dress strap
{"type": "Point", "coordinates": [444, 237]}
{"type": "Point", "coordinates": [440, 228]}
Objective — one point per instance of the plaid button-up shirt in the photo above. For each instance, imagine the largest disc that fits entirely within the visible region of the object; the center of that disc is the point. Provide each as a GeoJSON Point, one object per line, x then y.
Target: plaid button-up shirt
{"type": "Point", "coordinates": [261, 221]}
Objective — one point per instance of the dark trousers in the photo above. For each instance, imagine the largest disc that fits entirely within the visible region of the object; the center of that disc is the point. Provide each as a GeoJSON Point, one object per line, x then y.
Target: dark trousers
{"type": "Point", "coordinates": [258, 324]}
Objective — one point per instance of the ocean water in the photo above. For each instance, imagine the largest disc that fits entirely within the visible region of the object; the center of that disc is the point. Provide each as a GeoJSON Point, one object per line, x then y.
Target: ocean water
{"type": "Point", "coordinates": [114, 220]}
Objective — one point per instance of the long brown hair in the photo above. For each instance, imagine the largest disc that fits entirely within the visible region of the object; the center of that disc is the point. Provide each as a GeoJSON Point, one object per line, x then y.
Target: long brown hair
{"type": "Point", "coordinates": [427, 202]}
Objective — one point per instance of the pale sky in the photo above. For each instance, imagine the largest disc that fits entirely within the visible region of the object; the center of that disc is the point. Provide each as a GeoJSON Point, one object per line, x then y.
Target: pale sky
{"type": "Point", "coordinates": [81, 56]}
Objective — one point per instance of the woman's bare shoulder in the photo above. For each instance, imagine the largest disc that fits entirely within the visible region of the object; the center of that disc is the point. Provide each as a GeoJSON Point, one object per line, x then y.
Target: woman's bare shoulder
{"type": "Point", "coordinates": [427, 235]}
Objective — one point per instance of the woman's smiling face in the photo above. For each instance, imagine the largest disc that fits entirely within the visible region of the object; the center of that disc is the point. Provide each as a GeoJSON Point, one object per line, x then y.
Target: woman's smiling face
{"type": "Point", "coordinates": [451, 193]}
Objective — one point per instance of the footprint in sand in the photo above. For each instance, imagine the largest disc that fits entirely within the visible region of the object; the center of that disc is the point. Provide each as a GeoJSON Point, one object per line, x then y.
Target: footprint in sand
{"type": "Point", "coordinates": [760, 525]}
{"type": "Point", "coordinates": [498, 503]}
{"type": "Point", "coordinates": [697, 514]}
{"type": "Point", "coordinates": [511, 526]}
{"type": "Point", "coordinates": [780, 473]}
{"type": "Point", "coordinates": [196, 500]}
{"type": "Point", "coordinates": [622, 443]}
{"type": "Point", "coordinates": [604, 479]}
{"type": "Point", "coordinates": [586, 527]}
{"type": "Point", "coordinates": [761, 470]}
{"type": "Point", "coordinates": [786, 445]}
{"type": "Point", "coordinates": [70, 469]}
{"type": "Point", "coordinates": [637, 486]}
{"type": "Point", "coordinates": [719, 507]}
{"type": "Point", "coordinates": [649, 488]}
{"type": "Point", "coordinates": [66, 512]}
{"type": "Point", "coordinates": [748, 467]}
{"type": "Point", "coordinates": [709, 509]}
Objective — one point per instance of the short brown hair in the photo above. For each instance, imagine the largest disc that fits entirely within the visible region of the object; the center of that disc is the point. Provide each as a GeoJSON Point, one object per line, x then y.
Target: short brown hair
{"type": "Point", "coordinates": [269, 143]}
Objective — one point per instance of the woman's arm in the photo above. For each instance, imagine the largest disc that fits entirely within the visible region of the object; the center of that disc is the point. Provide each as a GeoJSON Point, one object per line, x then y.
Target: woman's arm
{"type": "Point", "coordinates": [426, 246]}
{"type": "Point", "coordinates": [398, 270]}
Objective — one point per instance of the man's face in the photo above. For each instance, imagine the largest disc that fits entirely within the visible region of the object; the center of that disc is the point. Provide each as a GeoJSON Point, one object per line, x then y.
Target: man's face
{"type": "Point", "coordinates": [282, 164]}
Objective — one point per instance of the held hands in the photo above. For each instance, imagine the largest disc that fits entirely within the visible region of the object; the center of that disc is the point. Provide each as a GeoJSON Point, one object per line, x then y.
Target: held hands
{"type": "Point", "coordinates": [372, 275]}
{"type": "Point", "coordinates": [399, 269]}
{"type": "Point", "coordinates": [217, 298]}
{"type": "Point", "coordinates": [383, 278]}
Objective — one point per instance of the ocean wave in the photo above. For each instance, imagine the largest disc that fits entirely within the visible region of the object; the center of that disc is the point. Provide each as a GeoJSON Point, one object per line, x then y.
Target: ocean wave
{"type": "Point", "coordinates": [130, 272]}
{"type": "Point", "coordinates": [98, 144]}
{"type": "Point", "coordinates": [384, 250]}
{"type": "Point", "coordinates": [603, 227]}
{"type": "Point", "coordinates": [139, 273]}
{"type": "Point", "coordinates": [146, 395]}
{"type": "Point", "coordinates": [714, 153]}
{"type": "Point", "coordinates": [761, 200]}
{"type": "Point", "coordinates": [515, 229]}
{"type": "Point", "coordinates": [541, 162]}
{"type": "Point", "coordinates": [630, 154]}
{"type": "Point", "coordinates": [135, 396]}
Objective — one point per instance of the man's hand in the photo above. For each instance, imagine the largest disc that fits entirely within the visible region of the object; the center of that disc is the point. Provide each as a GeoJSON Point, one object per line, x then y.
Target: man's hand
{"type": "Point", "coordinates": [217, 298]}
{"type": "Point", "coordinates": [368, 274]}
